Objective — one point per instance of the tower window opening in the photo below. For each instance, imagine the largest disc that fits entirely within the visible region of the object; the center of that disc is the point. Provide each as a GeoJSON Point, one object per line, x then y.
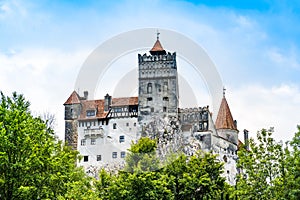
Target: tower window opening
{"type": "Point", "coordinates": [165, 86]}
{"type": "Point", "coordinates": [159, 88]}
{"type": "Point", "coordinates": [164, 109]}
{"type": "Point", "coordinates": [149, 88]}
{"type": "Point", "coordinates": [93, 141]}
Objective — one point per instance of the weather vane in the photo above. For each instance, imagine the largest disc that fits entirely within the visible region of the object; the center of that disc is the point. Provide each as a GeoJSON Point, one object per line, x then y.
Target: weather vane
{"type": "Point", "coordinates": [224, 89]}
{"type": "Point", "coordinates": [157, 34]}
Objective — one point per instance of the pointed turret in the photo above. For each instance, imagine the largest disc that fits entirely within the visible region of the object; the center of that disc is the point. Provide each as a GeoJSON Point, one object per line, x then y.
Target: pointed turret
{"type": "Point", "coordinates": [224, 118]}
{"type": "Point", "coordinates": [225, 125]}
{"type": "Point", "coordinates": [157, 48]}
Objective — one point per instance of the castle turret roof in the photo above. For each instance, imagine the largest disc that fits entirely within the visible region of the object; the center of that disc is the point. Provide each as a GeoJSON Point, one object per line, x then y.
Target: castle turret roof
{"type": "Point", "coordinates": [73, 99]}
{"type": "Point", "coordinates": [157, 49]}
{"type": "Point", "coordinates": [224, 118]}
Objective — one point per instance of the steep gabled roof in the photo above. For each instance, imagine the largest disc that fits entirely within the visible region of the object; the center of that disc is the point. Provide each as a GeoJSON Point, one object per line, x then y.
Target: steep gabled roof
{"type": "Point", "coordinates": [73, 99]}
{"type": "Point", "coordinates": [157, 49]}
{"type": "Point", "coordinates": [224, 118]}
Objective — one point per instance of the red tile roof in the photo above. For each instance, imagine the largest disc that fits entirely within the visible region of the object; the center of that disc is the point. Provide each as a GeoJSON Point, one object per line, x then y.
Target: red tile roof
{"type": "Point", "coordinates": [157, 48]}
{"type": "Point", "coordinates": [224, 118]}
{"type": "Point", "coordinates": [123, 101]}
{"type": "Point", "coordinates": [73, 99]}
{"type": "Point", "coordinates": [98, 105]}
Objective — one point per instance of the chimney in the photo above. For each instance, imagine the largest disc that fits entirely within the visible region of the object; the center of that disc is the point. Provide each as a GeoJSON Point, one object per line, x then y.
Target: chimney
{"type": "Point", "coordinates": [235, 123]}
{"type": "Point", "coordinates": [107, 102]}
{"type": "Point", "coordinates": [246, 139]}
{"type": "Point", "coordinates": [86, 94]}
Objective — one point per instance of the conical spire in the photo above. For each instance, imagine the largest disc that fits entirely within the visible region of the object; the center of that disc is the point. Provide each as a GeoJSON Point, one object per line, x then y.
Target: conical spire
{"type": "Point", "coordinates": [157, 48]}
{"type": "Point", "coordinates": [224, 118]}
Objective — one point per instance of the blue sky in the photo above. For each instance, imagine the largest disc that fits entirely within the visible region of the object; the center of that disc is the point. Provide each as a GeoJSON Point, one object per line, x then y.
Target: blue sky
{"type": "Point", "coordinates": [254, 45]}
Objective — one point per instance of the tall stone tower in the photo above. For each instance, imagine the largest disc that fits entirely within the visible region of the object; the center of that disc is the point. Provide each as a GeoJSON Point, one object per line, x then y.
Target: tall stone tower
{"type": "Point", "coordinates": [72, 113]}
{"type": "Point", "coordinates": [158, 84]}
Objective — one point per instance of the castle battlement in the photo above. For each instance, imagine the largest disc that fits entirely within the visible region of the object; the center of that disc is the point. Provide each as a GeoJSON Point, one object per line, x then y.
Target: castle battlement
{"type": "Point", "coordinates": [151, 58]}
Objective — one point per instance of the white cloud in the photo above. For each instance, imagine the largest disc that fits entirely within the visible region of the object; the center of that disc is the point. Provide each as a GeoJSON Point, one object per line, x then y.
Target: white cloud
{"type": "Point", "coordinates": [45, 76]}
{"type": "Point", "coordinates": [235, 41]}
{"type": "Point", "coordinates": [13, 8]}
{"type": "Point", "coordinates": [256, 107]}
{"type": "Point", "coordinates": [284, 58]}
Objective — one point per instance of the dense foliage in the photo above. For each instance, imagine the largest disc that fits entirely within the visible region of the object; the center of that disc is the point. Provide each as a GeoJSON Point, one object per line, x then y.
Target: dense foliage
{"type": "Point", "coordinates": [35, 165]}
{"type": "Point", "coordinates": [270, 170]}
{"type": "Point", "coordinates": [181, 177]}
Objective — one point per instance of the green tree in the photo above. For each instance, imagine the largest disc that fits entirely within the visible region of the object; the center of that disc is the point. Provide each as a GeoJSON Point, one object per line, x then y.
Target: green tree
{"type": "Point", "coordinates": [33, 164]}
{"type": "Point", "coordinates": [140, 179]}
{"type": "Point", "coordinates": [291, 169]}
{"type": "Point", "coordinates": [142, 156]}
{"type": "Point", "coordinates": [196, 177]}
{"type": "Point", "coordinates": [181, 177]}
{"type": "Point", "coordinates": [263, 168]}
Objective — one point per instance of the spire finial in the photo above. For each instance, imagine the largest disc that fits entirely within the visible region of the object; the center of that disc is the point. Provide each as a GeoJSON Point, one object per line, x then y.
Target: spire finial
{"type": "Point", "coordinates": [157, 34]}
{"type": "Point", "coordinates": [224, 89]}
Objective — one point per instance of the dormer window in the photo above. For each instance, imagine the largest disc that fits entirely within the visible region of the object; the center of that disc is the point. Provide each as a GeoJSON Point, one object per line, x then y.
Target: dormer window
{"type": "Point", "coordinates": [90, 113]}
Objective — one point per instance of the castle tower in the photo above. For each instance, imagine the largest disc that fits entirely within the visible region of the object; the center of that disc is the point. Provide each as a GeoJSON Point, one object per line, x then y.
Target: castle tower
{"type": "Point", "coordinates": [225, 125]}
{"type": "Point", "coordinates": [72, 112]}
{"type": "Point", "coordinates": [158, 84]}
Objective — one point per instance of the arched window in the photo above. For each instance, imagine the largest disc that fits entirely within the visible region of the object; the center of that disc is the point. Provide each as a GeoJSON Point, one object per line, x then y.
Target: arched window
{"type": "Point", "coordinates": [149, 88]}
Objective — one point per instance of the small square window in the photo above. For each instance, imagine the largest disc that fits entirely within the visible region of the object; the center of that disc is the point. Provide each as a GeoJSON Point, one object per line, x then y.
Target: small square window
{"type": "Point", "coordinates": [114, 154]}
{"type": "Point", "coordinates": [123, 154]}
{"type": "Point", "coordinates": [83, 142]}
{"type": "Point", "coordinates": [85, 158]}
{"type": "Point", "coordinates": [122, 138]}
{"type": "Point", "coordinates": [98, 157]}
{"type": "Point", "coordinates": [93, 141]}
{"type": "Point", "coordinates": [134, 124]}
{"type": "Point", "coordinates": [149, 99]}
{"type": "Point", "coordinates": [152, 109]}
{"type": "Point", "coordinates": [114, 126]}
{"type": "Point", "coordinates": [127, 124]}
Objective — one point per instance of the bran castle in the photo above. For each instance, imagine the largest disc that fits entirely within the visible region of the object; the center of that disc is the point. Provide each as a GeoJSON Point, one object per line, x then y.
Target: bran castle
{"type": "Point", "coordinates": [102, 130]}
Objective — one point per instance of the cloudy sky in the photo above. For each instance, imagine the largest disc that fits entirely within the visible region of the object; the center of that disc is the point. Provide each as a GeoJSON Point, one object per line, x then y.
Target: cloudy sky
{"type": "Point", "coordinates": [255, 46]}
